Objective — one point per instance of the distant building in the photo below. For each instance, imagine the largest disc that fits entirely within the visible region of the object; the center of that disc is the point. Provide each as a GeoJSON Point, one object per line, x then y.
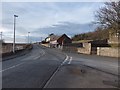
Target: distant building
{"type": "Point", "coordinates": [64, 39]}
{"type": "Point", "coordinates": [51, 37]}
{"type": "Point", "coordinates": [47, 39]}
{"type": "Point", "coordinates": [58, 41]}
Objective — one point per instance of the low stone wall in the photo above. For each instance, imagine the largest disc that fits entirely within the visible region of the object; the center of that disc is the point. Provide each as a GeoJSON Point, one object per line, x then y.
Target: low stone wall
{"type": "Point", "coordinates": [107, 51]}
{"type": "Point", "coordinates": [19, 52]}
{"type": "Point", "coordinates": [86, 49]}
{"type": "Point", "coordinates": [9, 48]}
{"type": "Point", "coordinates": [69, 49]}
{"type": "Point", "coordinates": [46, 45]}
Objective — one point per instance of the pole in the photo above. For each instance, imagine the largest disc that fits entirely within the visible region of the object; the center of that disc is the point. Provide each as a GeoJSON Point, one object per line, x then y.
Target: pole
{"type": "Point", "coordinates": [14, 37]}
{"type": "Point", "coordinates": [62, 42]}
{"type": "Point", "coordinates": [14, 33]}
{"type": "Point", "coordinates": [1, 35]}
{"type": "Point", "coordinates": [41, 39]}
{"type": "Point", "coordinates": [28, 37]}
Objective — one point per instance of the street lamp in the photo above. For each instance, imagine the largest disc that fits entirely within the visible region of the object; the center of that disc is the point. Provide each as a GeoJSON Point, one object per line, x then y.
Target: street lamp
{"type": "Point", "coordinates": [28, 37]}
{"type": "Point", "coordinates": [1, 35]}
{"type": "Point", "coordinates": [14, 33]}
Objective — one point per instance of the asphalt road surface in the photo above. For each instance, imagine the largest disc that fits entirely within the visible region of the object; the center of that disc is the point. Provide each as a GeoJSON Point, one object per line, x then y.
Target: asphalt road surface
{"type": "Point", "coordinates": [51, 68]}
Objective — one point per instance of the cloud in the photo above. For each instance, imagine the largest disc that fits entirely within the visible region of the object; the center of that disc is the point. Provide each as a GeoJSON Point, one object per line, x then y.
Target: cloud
{"type": "Point", "coordinates": [41, 17]}
{"type": "Point", "coordinates": [60, 0]}
{"type": "Point", "coordinates": [68, 28]}
{"type": "Point", "coordinates": [46, 14]}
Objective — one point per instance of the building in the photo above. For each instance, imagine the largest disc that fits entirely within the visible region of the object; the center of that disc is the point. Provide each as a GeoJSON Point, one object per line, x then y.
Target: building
{"type": "Point", "coordinates": [58, 41]}
{"type": "Point", "coordinates": [64, 40]}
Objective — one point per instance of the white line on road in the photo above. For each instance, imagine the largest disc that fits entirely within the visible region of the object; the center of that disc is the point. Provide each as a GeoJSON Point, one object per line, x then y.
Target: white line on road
{"type": "Point", "coordinates": [70, 60]}
{"type": "Point", "coordinates": [36, 58]}
{"type": "Point", "coordinates": [65, 59]}
{"type": "Point", "coordinates": [43, 53]}
{"type": "Point", "coordinates": [11, 67]}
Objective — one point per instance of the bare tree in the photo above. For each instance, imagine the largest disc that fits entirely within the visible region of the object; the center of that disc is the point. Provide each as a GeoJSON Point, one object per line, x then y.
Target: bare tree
{"type": "Point", "coordinates": [109, 16]}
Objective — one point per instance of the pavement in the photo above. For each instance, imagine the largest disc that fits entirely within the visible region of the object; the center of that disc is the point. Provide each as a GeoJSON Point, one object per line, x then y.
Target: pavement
{"type": "Point", "coordinates": [17, 54]}
{"type": "Point", "coordinates": [51, 68]}
{"type": "Point", "coordinates": [75, 75]}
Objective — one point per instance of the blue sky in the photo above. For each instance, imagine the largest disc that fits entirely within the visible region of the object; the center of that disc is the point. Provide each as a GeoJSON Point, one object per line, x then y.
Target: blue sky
{"type": "Point", "coordinates": [43, 18]}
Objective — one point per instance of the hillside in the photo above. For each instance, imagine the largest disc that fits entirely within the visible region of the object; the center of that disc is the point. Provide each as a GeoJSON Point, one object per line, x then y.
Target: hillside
{"type": "Point", "coordinates": [95, 35]}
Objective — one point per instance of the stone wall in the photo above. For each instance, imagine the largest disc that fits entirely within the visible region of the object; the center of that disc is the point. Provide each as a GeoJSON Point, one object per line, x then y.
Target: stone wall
{"type": "Point", "coordinates": [69, 49]}
{"type": "Point", "coordinates": [9, 47]}
{"type": "Point", "coordinates": [46, 45]}
{"type": "Point", "coordinates": [107, 51]}
{"type": "Point", "coordinates": [114, 38]}
{"type": "Point", "coordinates": [86, 49]}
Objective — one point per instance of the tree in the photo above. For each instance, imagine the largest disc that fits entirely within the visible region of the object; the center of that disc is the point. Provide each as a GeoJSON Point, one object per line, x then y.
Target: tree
{"type": "Point", "coordinates": [109, 16]}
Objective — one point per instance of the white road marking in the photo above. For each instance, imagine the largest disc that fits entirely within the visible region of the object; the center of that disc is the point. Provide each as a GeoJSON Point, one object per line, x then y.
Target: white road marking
{"type": "Point", "coordinates": [43, 52]}
{"type": "Point", "coordinates": [35, 57]}
{"type": "Point", "coordinates": [65, 59]}
{"type": "Point", "coordinates": [70, 60]}
{"type": "Point", "coordinates": [11, 67]}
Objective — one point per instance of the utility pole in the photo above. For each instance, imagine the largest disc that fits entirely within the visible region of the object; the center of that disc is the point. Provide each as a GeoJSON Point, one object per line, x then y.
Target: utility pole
{"type": "Point", "coordinates": [1, 35]}
{"type": "Point", "coordinates": [41, 39]}
{"type": "Point", "coordinates": [62, 42]}
{"type": "Point", "coordinates": [28, 37]}
{"type": "Point", "coordinates": [14, 33]}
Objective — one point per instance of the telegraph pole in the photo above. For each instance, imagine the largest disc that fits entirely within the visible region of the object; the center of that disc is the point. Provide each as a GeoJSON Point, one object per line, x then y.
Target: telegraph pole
{"type": "Point", "coordinates": [41, 39]}
{"type": "Point", "coordinates": [28, 37]}
{"type": "Point", "coordinates": [14, 33]}
{"type": "Point", "coordinates": [1, 35]}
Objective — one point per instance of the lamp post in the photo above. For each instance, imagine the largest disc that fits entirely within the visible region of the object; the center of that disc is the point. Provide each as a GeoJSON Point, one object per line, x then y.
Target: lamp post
{"type": "Point", "coordinates": [14, 33]}
{"type": "Point", "coordinates": [28, 37]}
{"type": "Point", "coordinates": [41, 39]}
{"type": "Point", "coordinates": [1, 35]}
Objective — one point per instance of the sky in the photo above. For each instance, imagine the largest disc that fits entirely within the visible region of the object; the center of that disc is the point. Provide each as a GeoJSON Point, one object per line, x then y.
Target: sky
{"type": "Point", "coordinates": [43, 18]}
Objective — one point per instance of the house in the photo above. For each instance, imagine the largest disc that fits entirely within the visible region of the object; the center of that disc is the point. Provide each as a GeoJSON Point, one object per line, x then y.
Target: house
{"type": "Point", "coordinates": [51, 37]}
{"type": "Point", "coordinates": [64, 40]}
{"type": "Point", "coordinates": [58, 41]}
{"type": "Point", "coordinates": [47, 39]}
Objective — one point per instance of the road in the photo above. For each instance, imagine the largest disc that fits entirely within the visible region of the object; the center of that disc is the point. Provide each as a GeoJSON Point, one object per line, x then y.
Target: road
{"type": "Point", "coordinates": [49, 68]}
